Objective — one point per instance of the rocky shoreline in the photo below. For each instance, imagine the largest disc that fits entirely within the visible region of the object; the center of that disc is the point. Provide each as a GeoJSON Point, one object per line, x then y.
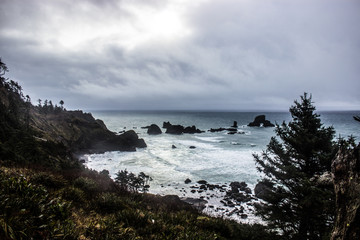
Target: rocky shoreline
{"type": "Point", "coordinates": [233, 201]}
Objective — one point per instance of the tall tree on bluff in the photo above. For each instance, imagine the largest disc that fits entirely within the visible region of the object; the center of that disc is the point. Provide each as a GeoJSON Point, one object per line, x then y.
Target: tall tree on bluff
{"type": "Point", "coordinates": [297, 204]}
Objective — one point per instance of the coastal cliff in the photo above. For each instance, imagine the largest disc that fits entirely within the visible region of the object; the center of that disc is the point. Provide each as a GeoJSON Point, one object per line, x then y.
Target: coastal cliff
{"type": "Point", "coordinates": [76, 131]}
{"type": "Point", "coordinates": [81, 132]}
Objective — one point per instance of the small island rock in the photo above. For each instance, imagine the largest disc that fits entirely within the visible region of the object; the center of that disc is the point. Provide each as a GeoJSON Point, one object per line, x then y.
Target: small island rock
{"type": "Point", "coordinates": [154, 129]}
{"type": "Point", "coordinates": [261, 121]}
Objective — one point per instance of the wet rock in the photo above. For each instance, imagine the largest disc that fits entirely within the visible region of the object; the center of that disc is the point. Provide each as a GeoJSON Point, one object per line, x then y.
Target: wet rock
{"type": "Point", "coordinates": [244, 216]}
{"type": "Point", "coordinates": [187, 181]}
{"type": "Point", "coordinates": [261, 121]}
{"type": "Point", "coordinates": [175, 129]}
{"type": "Point", "coordinates": [192, 147]}
{"type": "Point", "coordinates": [105, 172]}
{"type": "Point", "coordinates": [239, 192]}
{"type": "Point", "coordinates": [178, 129]}
{"type": "Point", "coordinates": [173, 147]}
{"type": "Point", "coordinates": [154, 129]}
{"type": "Point", "coordinates": [234, 125]}
{"type": "Point", "coordinates": [242, 186]}
{"type": "Point", "coordinates": [192, 130]}
{"type": "Point", "coordinates": [202, 182]}
{"type": "Point", "coordinates": [166, 124]}
{"type": "Point", "coordinates": [217, 129]}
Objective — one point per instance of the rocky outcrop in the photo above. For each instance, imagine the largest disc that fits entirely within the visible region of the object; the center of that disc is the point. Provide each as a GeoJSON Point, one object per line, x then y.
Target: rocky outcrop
{"type": "Point", "coordinates": [166, 124]}
{"type": "Point", "coordinates": [81, 133]}
{"type": "Point", "coordinates": [154, 129]}
{"type": "Point", "coordinates": [196, 203]}
{"type": "Point", "coordinates": [127, 141]}
{"type": "Point", "coordinates": [178, 129]}
{"type": "Point", "coordinates": [175, 129]}
{"type": "Point", "coordinates": [261, 121]}
{"type": "Point", "coordinates": [346, 173]}
{"type": "Point", "coordinates": [239, 193]}
{"type": "Point", "coordinates": [192, 130]}
{"type": "Point", "coordinates": [234, 130]}
{"type": "Point", "coordinates": [234, 125]}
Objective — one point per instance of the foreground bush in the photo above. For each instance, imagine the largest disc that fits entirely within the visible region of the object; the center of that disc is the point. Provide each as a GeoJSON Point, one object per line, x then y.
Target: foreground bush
{"type": "Point", "coordinates": [28, 212]}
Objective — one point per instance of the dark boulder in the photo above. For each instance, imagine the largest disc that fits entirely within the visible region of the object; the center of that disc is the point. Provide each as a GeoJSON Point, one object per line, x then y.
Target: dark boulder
{"type": "Point", "coordinates": [198, 204]}
{"type": "Point", "coordinates": [173, 147]}
{"type": "Point", "coordinates": [166, 124]}
{"type": "Point", "coordinates": [262, 189]}
{"type": "Point", "coordinates": [192, 147]}
{"type": "Point", "coordinates": [187, 181]}
{"type": "Point", "coordinates": [154, 129]}
{"type": "Point", "coordinates": [202, 182]}
{"type": "Point", "coordinates": [234, 125]}
{"type": "Point", "coordinates": [261, 121]}
{"type": "Point", "coordinates": [175, 129]}
{"type": "Point", "coordinates": [242, 186]}
{"type": "Point", "coordinates": [239, 192]}
{"type": "Point", "coordinates": [223, 129]}
{"type": "Point", "coordinates": [217, 129]}
{"type": "Point", "coordinates": [130, 140]}
{"type": "Point", "coordinates": [192, 130]}
{"type": "Point", "coordinates": [178, 129]}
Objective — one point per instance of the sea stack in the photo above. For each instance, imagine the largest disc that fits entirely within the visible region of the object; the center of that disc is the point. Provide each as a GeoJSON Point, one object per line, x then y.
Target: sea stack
{"type": "Point", "coordinates": [261, 121]}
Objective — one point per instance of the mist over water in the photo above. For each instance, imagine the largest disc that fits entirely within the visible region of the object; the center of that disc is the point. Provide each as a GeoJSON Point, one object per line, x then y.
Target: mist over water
{"type": "Point", "coordinates": [219, 158]}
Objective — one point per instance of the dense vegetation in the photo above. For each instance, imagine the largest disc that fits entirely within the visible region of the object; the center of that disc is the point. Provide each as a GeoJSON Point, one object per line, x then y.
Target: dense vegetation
{"type": "Point", "coordinates": [297, 203]}
{"type": "Point", "coordinates": [46, 194]}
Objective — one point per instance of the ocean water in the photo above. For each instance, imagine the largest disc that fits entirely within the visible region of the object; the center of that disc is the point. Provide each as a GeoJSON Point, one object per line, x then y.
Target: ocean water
{"type": "Point", "coordinates": [219, 158]}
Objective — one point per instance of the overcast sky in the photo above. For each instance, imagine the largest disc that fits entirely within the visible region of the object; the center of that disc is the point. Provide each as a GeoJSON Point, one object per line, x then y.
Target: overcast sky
{"type": "Point", "coordinates": [184, 54]}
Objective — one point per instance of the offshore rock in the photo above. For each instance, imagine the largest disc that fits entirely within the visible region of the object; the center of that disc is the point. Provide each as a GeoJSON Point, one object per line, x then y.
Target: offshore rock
{"type": "Point", "coordinates": [346, 173]}
{"type": "Point", "coordinates": [234, 125]}
{"type": "Point", "coordinates": [178, 129]}
{"type": "Point", "coordinates": [166, 124]}
{"type": "Point", "coordinates": [175, 129]}
{"type": "Point", "coordinates": [154, 129]}
{"type": "Point", "coordinates": [261, 121]}
{"type": "Point", "coordinates": [192, 130]}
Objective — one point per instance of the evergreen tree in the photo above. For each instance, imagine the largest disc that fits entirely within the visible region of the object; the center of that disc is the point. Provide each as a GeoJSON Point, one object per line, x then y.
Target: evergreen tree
{"type": "Point", "coordinates": [297, 204]}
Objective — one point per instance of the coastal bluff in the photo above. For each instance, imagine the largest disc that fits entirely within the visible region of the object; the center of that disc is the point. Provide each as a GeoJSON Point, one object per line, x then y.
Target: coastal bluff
{"type": "Point", "coordinates": [81, 133]}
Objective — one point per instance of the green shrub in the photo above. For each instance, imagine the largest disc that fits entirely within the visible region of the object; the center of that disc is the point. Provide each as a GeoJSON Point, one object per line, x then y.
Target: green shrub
{"type": "Point", "coordinates": [76, 195]}
{"type": "Point", "coordinates": [88, 185]}
{"type": "Point", "coordinates": [48, 180]}
{"type": "Point", "coordinates": [109, 203]}
{"type": "Point", "coordinates": [28, 212]}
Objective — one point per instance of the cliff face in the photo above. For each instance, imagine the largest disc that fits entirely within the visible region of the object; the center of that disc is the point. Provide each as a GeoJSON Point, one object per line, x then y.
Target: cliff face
{"type": "Point", "coordinates": [346, 171]}
{"type": "Point", "coordinates": [80, 132]}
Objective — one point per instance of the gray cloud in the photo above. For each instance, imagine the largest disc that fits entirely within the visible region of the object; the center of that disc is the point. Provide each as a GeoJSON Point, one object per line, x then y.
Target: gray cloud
{"type": "Point", "coordinates": [220, 55]}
